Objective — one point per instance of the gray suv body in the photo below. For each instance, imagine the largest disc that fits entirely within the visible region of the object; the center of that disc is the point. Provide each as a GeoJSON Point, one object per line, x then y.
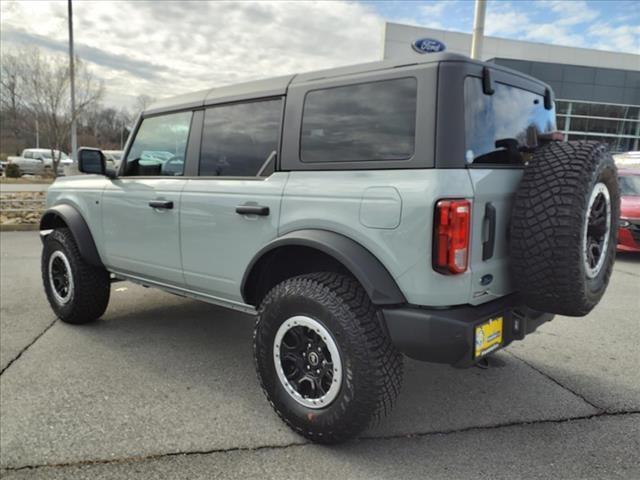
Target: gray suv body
{"type": "Point", "coordinates": [360, 212]}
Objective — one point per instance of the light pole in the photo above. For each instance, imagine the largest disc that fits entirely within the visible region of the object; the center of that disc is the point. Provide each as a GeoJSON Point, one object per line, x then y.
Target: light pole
{"type": "Point", "coordinates": [37, 132]}
{"type": "Point", "coordinates": [122, 134]}
{"type": "Point", "coordinates": [478, 29]}
{"type": "Point", "coordinates": [74, 139]}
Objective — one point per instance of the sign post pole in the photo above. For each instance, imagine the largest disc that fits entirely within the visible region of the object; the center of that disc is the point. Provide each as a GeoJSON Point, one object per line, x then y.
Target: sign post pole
{"type": "Point", "coordinates": [478, 29]}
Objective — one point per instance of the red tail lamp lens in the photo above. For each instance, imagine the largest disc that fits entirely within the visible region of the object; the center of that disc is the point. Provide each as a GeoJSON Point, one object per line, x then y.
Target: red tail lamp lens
{"type": "Point", "coordinates": [451, 235]}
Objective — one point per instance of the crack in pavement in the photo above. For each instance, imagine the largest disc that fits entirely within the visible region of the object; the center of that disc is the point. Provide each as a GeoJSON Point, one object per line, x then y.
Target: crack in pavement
{"type": "Point", "coordinates": [633, 274]}
{"type": "Point", "coordinates": [557, 382]}
{"type": "Point", "coordinates": [28, 346]}
{"type": "Point", "coordinates": [158, 456]}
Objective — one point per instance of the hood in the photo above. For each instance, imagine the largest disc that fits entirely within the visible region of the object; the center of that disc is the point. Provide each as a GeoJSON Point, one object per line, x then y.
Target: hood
{"type": "Point", "coordinates": [630, 207]}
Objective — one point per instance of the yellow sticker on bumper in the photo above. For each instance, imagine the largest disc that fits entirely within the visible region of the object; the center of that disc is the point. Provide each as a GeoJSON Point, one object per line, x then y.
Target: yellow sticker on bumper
{"type": "Point", "coordinates": [488, 336]}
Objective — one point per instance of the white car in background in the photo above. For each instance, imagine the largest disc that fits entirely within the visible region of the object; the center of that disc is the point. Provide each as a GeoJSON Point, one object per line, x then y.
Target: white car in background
{"type": "Point", "coordinates": [37, 161]}
{"type": "Point", "coordinates": [627, 159]}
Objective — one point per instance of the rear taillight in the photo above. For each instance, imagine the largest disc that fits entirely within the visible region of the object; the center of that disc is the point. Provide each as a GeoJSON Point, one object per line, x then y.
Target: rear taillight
{"type": "Point", "coordinates": [451, 236]}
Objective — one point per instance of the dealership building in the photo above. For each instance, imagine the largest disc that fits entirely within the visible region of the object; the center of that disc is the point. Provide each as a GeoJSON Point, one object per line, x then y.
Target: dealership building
{"type": "Point", "coordinates": [597, 92]}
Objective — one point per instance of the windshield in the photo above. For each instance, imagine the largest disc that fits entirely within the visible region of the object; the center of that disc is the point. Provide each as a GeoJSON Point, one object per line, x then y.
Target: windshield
{"type": "Point", "coordinates": [629, 185]}
{"type": "Point", "coordinates": [496, 125]}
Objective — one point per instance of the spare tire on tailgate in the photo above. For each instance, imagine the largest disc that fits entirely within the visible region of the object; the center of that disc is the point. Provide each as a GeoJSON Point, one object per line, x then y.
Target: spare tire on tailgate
{"type": "Point", "coordinates": [564, 227]}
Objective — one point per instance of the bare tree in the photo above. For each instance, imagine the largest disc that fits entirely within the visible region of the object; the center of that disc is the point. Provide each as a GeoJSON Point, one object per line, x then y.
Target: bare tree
{"type": "Point", "coordinates": [105, 127]}
{"type": "Point", "coordinates": [12, 95]}
{"type": "Point", "coordinates": [142, 102]}
{"type": "Point", "coordinates": [125, 121]}
{"type": "Point", "coordinates": [46, 95]}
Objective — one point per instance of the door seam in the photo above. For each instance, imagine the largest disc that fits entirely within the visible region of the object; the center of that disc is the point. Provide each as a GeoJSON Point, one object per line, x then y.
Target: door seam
{"type": "Point", "coordinates": [184, 186]}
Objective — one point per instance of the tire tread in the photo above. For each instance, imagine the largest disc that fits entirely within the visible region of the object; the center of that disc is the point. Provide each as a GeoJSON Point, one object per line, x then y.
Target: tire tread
{"type": "Point", "coordinates": [91, 284]}
{"type": "Point", "coordinates": [546, 226]}
{"type": "Point", "coordinates": [384, 363]}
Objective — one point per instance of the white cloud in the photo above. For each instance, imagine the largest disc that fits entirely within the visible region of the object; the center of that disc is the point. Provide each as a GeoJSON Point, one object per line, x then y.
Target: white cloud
{"type": "Point", "coordinates": [433, 14]}
{"type": "Point", "coordinates": [434, 9]}
{"type": "Point", "coordinates": [167, 48]}
{"type": "Point", "coordinates": [509, 20]}
{"type": "Point", "coordinates": [571, 12]}
{"type": "Point", "coordinates": [623, 38]}
{"type": "Point", "coordinates": [506, 22]}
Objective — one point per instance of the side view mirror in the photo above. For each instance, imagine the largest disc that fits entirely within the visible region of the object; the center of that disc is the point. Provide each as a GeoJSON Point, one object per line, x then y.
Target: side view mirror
{"type": "Point", "coordinates": [92, 160]}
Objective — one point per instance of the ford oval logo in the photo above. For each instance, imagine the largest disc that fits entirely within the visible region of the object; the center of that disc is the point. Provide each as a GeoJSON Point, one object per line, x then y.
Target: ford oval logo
{"type": "Point", "coordinates": [428, 45]}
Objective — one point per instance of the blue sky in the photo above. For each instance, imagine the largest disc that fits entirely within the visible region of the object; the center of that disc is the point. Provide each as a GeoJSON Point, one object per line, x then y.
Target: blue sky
{"type": "Point", "coordinates": [606, 25]}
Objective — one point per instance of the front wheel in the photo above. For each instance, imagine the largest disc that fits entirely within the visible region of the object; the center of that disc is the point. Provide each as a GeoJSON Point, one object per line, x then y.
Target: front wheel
{"type": "Point", "coordinates": [77, 291]}
{"type": "Point", "coordinates": [323, 360]}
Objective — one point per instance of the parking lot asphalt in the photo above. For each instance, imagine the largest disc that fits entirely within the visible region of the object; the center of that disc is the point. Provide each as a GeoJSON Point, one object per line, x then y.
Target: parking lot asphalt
{"type": "Point", "coordinates": [164, 387]}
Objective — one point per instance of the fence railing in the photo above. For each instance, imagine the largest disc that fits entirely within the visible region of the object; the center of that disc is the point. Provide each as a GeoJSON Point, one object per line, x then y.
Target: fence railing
{"type": "Point", "coordinates": [22, 202]}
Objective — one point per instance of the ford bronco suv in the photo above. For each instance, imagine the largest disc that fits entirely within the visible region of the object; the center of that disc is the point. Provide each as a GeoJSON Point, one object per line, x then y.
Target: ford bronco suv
{"type": "Point", "coordinates": [362, 213]}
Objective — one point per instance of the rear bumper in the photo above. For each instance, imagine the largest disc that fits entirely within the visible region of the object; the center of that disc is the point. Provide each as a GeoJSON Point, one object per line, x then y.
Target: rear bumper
{"type": "Point", "coordinates": [448, 335]}
{"type": "Point", "coordinates": [629, 239]}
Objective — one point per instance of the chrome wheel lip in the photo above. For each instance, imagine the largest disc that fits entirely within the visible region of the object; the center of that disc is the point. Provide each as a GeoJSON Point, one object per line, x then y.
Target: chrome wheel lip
{"type": "Point", "coordinates": [592, 272]}
{"type": "Point", "coordinates": [61, 298]}
{"type": "Point", "coordinates": [305, 321]}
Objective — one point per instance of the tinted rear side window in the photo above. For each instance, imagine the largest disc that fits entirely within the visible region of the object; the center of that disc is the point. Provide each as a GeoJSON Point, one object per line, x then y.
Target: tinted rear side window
{"type": "Point", "coordinates": [496, 125]}
{"type": "Point", "coordinates": [238, 139]}
{"type": "Point", "coordinates": [367, 121]}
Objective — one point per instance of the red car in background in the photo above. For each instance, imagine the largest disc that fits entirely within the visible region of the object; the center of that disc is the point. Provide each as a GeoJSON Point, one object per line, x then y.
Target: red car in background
{"type": "Point", "coordinates": [629, 233]}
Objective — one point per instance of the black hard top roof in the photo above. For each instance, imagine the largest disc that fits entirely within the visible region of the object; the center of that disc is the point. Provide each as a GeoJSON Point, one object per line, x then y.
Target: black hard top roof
{"type": "Point", "coordinates": [278, 85]}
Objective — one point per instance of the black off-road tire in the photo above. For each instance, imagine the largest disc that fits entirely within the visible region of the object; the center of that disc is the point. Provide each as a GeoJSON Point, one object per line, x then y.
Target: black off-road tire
{"type": "Point", "coordinates": [549, 222]}
{"type": "Point", "coordinates": [371, 365]}
{"type": "Point", "coordinates": [91, 286]}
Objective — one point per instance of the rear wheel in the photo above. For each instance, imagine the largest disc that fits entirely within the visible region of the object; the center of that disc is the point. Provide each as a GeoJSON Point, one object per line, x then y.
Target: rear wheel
{"type": "Point", "coordinates": [77, 291]}
{"type": "Point", "coordinates": [322, 358]}
{"type": "Point", "coordinates": [564, 227]}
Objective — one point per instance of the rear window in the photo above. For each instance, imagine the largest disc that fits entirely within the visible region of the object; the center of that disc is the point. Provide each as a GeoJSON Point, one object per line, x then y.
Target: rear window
{"type": "Point", "coordinates": [496, 125]}
{"type": "Point", "coordinates": [363, 122]}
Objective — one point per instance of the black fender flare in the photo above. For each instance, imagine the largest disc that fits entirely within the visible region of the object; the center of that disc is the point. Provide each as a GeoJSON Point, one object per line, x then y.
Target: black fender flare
{"type": "Point", "coordinates": [363, 265]}
{"type": "Point", "coordinates": [78, 227]}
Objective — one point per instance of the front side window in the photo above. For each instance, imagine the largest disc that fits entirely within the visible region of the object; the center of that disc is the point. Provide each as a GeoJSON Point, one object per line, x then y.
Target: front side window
{"type": "Point", "coordinates": [496, 125]}
{"type": "Point", "coordinates": [629, 185]}
{"type": "Point", "coordinates": [239, 140]}
{"type": "Point", "coordinates": [368, 121]}
{"type": "Point", "coordinates": [159, 146]}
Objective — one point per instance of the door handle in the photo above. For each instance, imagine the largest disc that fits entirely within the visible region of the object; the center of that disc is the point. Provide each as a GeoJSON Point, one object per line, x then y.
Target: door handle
{"type": "Point", "coordinates": [252, 210]}
{"type": "Point", "coordinates": [165, 204]}
{"type": "Point", "coordinates": [489, 245]}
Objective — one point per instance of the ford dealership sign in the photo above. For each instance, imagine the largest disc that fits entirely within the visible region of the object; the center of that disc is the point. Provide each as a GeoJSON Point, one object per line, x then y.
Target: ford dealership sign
{"type": "Point", "coordinates": [428, 45]}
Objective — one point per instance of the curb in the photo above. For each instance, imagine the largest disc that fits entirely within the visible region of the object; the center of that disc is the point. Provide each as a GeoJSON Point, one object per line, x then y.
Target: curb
{"type": "Point", "coordinates": [19, 227]}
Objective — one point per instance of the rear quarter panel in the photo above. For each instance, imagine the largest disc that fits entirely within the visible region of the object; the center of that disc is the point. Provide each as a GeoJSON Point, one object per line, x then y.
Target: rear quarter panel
{"type": "Point", "coordinates": [397, 229]}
